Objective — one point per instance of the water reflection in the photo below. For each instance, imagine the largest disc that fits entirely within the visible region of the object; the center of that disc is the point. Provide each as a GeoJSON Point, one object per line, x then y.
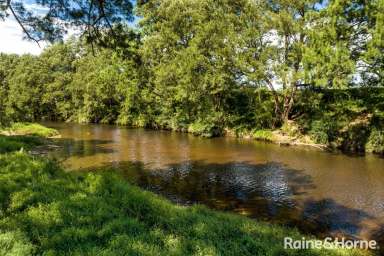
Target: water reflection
{"type": "Point", "coordinates": [264, 191]}
{"type": "Point", "coordinates": [316, 191]}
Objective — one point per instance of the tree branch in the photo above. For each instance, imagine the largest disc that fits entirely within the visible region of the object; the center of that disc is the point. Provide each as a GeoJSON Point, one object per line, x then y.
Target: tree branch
{"type": "Point", "coordinates": [102, 12]}
{"type": "Point", "coordinates": [20, 23]}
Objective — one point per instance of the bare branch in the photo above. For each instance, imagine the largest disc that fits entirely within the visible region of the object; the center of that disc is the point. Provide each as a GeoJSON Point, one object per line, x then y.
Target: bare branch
{"type": "Point", "coordinates": [102, 12]}
{"type": "Point", "coordinates": [20, 23]}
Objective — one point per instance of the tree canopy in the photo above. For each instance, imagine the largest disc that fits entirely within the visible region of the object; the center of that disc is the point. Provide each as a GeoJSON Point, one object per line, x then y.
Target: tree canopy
{"type": "Point", "coordinates": [201, 66]}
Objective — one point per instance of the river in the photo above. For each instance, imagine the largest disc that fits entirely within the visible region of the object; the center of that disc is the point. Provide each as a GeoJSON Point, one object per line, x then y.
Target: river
{"type": "Point", "coordinates": [318, 192]}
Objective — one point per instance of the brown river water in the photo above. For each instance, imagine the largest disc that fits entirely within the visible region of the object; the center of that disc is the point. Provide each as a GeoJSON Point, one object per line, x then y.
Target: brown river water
{"type": "Point", "coordinates": [318, 192]}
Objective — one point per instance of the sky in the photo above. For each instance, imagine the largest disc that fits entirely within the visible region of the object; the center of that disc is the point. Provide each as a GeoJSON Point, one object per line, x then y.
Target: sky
{"type": "Point", "coordinates": [11, 34]}
{"type": "Point", "coordinates": [11, 39]}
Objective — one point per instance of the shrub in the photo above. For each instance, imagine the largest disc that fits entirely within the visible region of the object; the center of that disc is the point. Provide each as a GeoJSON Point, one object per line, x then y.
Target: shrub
{"type": "Point", "coordinates": [319, 132]}
{"type": "Point", "coordinates": [291, 128]}
{"type": "Point", "coordinates": [15, 243]}
{"type": "Point", "coordinates": [375, 143]}
{"type": "Point", "coordinates": [211, 126]}
{"type": "Point", "coordinates": [204, 129]}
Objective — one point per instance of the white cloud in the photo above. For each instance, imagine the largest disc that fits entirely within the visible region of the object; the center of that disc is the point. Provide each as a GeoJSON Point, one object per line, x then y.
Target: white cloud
{"type": "Point", "coordinates": [36, 8]}
{"type": "Point", "coordinates": [11, 39]}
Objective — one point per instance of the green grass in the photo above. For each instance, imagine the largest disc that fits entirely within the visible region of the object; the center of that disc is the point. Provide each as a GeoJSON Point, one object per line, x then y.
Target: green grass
{"type": "Point", "coordinates": [23, 136]}
{"type": "Point", "coordinates": [17, 143]}
{"type": "Point", "coordinates": [46, 211]}
{"type": "Point", "coordinates": [264, 135]}
{"type": "Point", "coordinates": [31, 129]}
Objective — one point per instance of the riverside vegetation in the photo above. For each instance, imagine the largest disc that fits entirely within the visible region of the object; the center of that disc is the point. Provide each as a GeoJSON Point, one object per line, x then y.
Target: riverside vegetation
{"type": "Point", "coordinates": [47, 211]}
{"type": "Point", "coordinates": [308, 72]}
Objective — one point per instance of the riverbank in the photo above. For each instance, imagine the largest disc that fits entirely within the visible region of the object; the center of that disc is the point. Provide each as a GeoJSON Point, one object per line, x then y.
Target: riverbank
{"type": "Point", "coordinates": [349, 120]}
{"type": "Point", "coordinates": [45, 210]}
{"type": "Point", "coordinates": [278, 136]}
{"type": "Point", "coordinates": [28, 129]}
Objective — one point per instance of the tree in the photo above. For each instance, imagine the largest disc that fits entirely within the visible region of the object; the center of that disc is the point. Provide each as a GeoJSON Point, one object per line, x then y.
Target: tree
{"type": "Point", "coordinates": [58, 63]}
{"type": "Point", "coordinates": [94, 88]}
{"type": "Point", "coordinates": [372, 62]}
{"type": "Point", "coordinates": [347, 44]}
{"type": "Point", "coordinates": [302, 44]}
{"type": "Point", "coordinates": [92, 17]}
{"type": "Point", "coordinates": [7, 65]}
{"type": "Point", "coordinates": [25, 84]}
{"type": "Point", "coordinates": [189, 48]}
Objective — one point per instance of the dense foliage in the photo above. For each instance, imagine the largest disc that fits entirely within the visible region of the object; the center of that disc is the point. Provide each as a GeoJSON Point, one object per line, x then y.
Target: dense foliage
{"type": "Point", "coordinates": [206, 66]}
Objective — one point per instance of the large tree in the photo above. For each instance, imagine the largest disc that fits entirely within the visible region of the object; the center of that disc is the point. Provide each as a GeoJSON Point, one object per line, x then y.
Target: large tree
{"type": "Point", "coordinates": [313, 43]}
{"type": "Point", "coordinates": [190, 49]}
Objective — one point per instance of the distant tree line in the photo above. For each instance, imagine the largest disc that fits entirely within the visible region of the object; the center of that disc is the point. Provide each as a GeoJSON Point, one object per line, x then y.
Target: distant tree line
{"type": "Point", "coordinates": [198, 65]}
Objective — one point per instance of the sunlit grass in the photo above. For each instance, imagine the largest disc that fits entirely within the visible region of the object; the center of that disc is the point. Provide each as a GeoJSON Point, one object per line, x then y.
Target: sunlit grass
{"type": "Point", "coordinates": [263, 135]}
{"type": "Point", "coordinates": [31, 129]}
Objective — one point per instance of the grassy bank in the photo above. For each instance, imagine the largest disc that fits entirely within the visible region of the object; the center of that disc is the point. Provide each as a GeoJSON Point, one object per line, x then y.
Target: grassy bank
{"type": "Point", "coordinates": [23, 136]}
{"type": "Point", "coordinates": [46, 211]}
{"type": "Point", "coordinates": [29, 129]}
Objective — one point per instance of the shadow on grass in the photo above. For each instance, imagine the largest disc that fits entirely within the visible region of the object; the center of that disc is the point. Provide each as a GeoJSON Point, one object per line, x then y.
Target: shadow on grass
{"type": "Point", "coordinates": [16, 143]}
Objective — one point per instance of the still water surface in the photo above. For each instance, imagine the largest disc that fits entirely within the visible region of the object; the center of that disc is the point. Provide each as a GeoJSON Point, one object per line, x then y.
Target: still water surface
{"type": "Point", "coordinates": [318, 192]}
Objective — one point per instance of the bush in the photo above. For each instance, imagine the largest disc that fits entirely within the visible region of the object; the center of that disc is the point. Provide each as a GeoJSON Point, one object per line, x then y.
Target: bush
{"type": "Point", "coordinates": [204, 129]}
{"type": "Point", "coordinates": [375, 142]}
{"type": "Point", "coordinates": [208, 127]}
{"type": "Point", "coordinates": [319, 132]}
{"type": "Point", "coordinates": [15, 243]}
{"type": "Point", "coordinates": [354, 138]}
{"type": "Point", "coordinates": [291, 129]}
